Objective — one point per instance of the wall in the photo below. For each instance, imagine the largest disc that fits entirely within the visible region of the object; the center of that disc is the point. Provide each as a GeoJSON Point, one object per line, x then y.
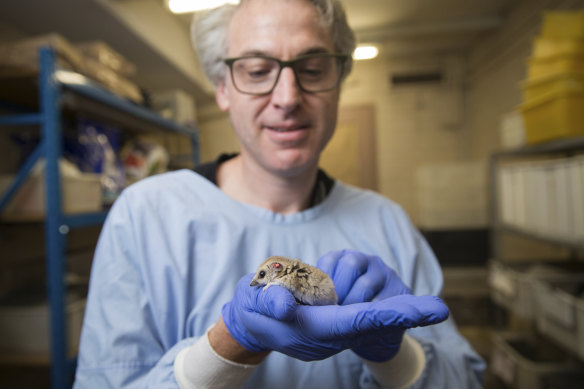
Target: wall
{"type": "Point", "coordinates": [215, 133]}
{"type": "Point", "coordinates": [416, 124]}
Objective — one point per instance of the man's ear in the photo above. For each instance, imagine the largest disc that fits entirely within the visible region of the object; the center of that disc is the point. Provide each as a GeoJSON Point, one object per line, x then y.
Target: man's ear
{"type": "Point", "coordinates": [222, 96]}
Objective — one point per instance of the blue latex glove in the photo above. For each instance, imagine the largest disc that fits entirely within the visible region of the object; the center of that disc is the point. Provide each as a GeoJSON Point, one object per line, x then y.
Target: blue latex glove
{"type": "Point", "coordinates": [360, 278]}
{"type": "Point", "coordinates": [271, 320]}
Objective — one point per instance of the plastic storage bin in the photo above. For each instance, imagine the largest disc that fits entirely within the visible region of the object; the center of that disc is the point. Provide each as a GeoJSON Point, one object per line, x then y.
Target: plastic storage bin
{"type": "Point", "coordinates": [563, 24]}
{"type": "Point", "coordinates": [512, 286]}
{"type": "Point", "coordinates": [547, 47]}
{"type": "Point", "coordinates": [25, 326]}
{"type": "Point", "coordinates": [560, 312]}
{"type": "Point", "coordinates": [536, 88]}
{"type": "Point", "coordinates": [524, 361]}
{"type": "Point", "coordinates": [552, 66]}
{"type": "Point", "coordinates": [554, 116]}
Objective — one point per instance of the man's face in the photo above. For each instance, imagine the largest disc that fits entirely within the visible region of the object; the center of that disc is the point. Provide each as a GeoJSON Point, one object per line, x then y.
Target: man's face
{"type": "Point", "coordinates": [282, 132]}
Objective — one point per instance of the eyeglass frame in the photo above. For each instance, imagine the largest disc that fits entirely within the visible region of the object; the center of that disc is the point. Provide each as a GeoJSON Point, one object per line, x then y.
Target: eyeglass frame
{"type": "Point", "coordinates": [289, 64]}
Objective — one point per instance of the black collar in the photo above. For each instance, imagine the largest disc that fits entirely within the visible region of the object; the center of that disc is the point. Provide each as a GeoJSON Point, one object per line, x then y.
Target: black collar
{"type": "Point", "coordinates": [323, 185]}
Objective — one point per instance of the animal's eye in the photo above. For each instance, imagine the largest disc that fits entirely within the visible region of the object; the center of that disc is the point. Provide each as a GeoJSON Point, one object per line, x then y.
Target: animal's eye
{"type": "Point", "coordinates": [262, 274]}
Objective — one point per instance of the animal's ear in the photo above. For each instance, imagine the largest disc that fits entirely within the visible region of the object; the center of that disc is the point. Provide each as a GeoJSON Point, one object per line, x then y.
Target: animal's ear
{"type": "Point", "coordinates": [277, 266]}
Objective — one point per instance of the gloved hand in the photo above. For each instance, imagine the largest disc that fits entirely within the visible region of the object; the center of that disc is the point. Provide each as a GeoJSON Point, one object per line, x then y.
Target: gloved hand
{"type": "Point", "coordinates": [271, 320]}
{"type": "Point", "coordinates": [360, 278]}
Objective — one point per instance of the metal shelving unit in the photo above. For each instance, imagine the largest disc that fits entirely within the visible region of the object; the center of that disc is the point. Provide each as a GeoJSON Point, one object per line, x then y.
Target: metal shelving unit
{"type": "Point", "coordinates": [563, 147]}
{"type": "Point", "coordinates": [60, 91]}
{"type": "Point", "coordinates": [513, 282]}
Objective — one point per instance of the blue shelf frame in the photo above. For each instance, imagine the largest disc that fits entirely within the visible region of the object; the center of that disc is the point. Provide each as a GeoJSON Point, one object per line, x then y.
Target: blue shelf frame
{"type": "Point", "coordinates": [53, 83]}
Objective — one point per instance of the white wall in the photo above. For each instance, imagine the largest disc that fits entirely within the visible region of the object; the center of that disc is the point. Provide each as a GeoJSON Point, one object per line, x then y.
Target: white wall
{"type": "Point", "coordinates": [215, 133]}
{"type": "Point", "coordinates": [416, 124]}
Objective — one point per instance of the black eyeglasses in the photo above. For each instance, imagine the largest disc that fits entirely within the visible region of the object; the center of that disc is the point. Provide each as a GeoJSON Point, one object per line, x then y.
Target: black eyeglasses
{"type": "Point", "coordinates": [258, 74]}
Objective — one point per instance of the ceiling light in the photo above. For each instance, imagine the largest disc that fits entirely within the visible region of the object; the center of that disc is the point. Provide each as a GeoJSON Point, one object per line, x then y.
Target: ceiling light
{"type": "Point", "coordinates": [186, 6]}
{"type": "Point", "coordinates": [365, 52]}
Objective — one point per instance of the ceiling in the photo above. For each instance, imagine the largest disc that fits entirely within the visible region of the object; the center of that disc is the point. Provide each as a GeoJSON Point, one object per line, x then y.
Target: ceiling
{"type": "Point", "coordinates": [415, 27]}
{"type": "Point", "coordinates": [400, 27]}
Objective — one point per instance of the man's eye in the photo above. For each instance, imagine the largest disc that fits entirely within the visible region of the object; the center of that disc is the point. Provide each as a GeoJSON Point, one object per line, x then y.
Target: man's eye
{"type": "Point", "coordinates": [257, 73]}
{"type": "Point", "coordinates": [311, 72]}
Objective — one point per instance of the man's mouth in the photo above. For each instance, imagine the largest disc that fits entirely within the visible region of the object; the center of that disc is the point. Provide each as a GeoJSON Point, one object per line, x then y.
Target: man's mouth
{"type": "Point", "coordinates": [286, 129]}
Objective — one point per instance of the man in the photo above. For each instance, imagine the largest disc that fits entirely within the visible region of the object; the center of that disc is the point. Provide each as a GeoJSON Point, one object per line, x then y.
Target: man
{"type": "Point", "coordinates": [170, 302]}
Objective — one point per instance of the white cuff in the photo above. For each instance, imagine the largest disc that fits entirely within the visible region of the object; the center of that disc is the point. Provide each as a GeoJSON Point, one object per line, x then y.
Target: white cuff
{"type": "Point", "coordinates": [402, 370]}
{"type": "Point", "coordinates": [200, 367]}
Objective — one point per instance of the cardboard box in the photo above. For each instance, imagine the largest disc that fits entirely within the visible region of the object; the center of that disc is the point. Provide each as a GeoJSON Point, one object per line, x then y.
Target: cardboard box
{"type": "Point", "coordinates": [113, 81]}
{"type": "Point", "coordinates": [25, 327]}
{"type": "Point", "coordinates": [80, 192]}
{"type": "Point", "coordinates": [99, 51]}
{"type": "Point", "coordinates": [22, 55]}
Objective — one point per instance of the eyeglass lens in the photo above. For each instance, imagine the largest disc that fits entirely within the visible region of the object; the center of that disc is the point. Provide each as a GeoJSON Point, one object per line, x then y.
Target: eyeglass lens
{"type": "Point", "coordinates": [259, 75]}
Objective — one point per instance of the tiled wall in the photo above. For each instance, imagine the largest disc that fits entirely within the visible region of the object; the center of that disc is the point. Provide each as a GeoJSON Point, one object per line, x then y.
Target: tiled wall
{"type": "Point", "coordinates": [417, 124]}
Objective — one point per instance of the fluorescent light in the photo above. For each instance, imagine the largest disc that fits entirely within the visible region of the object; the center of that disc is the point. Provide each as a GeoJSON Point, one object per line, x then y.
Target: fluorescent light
{"type": "Point", "coordinates": [365, 52]}
{"type": "Point", "coordinates": [186, 6]}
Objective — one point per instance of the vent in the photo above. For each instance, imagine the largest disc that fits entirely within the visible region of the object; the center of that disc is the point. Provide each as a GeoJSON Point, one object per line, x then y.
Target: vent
{"type": "Point", "coordinates": [416, 78]}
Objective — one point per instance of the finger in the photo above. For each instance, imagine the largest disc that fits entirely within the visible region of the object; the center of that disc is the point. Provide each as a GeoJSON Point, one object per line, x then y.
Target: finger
{"type": "Point", "coordinates": [290, 338]}
{"type": "Point", "coordinates": [350, 267]}
{"type": "Point", "coordinates": [275, 301]}
{"type": "Point", "coordinates": [328, 262]}
{"type": "Point", "coordinates": [350, 321]}
{"type": "Point", "coordinates": [368, 285]}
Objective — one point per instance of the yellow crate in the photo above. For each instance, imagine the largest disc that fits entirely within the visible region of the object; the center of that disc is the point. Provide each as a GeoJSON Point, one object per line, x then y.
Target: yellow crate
{"type": "Point", "coordinates": [553, 116]}
{"type": "Point", "coordinates": [535, 88]}
{"type": "Point", "coordinates": [548, 47]}
{"type": "Point", "coordinates": [550, 66]}
{"type": "Point", "coordinates": [563, 24]}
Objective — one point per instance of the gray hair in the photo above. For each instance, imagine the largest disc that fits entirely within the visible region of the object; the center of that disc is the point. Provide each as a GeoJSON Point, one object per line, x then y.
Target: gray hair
{"type": "Point", "coordinates": [210, 29]}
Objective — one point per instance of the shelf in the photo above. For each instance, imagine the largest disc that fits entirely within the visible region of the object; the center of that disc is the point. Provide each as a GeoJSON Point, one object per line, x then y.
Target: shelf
{"type": "Point", "coordinates": [538, 198]}
{"type": "Point", "coordinates": [82, 94]}
{"type": "Point", "coordinates": [42, 100]}
{"type": "Point", "coordinates": [567, 145]}
{"type": "Point", "coordinates": [566, 243]}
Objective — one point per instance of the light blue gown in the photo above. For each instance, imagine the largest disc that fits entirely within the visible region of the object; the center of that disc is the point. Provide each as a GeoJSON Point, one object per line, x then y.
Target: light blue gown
{"type": "Point", "coordinates": [173, 248]}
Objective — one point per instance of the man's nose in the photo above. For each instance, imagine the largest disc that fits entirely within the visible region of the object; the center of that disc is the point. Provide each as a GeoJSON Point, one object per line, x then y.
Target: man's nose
{"type": "Point", "coordinates": [287, 93]}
